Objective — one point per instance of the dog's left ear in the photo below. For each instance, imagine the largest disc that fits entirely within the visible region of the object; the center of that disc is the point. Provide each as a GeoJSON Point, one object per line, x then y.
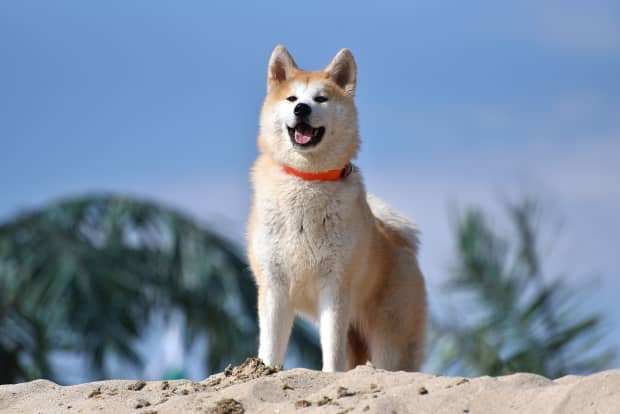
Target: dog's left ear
{"type": "Point", "coordinates": [343, 71]}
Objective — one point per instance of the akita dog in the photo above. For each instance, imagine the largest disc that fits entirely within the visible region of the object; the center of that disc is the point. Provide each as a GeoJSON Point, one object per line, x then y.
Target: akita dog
{"type": "Point", "coordinates": [320, 245]}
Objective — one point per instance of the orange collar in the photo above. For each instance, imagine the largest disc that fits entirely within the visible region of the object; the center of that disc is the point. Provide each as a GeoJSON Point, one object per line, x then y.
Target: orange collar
{"type": "Point", "coordinates": [331, 175]}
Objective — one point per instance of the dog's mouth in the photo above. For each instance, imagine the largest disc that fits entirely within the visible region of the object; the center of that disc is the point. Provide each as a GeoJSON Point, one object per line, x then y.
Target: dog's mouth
{"type": "Point", "coordinates": [303, 135]}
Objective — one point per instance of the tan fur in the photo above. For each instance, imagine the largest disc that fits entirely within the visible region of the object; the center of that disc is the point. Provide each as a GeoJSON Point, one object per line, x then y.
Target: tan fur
{"type": "Point", "coordinates": [327, 249]}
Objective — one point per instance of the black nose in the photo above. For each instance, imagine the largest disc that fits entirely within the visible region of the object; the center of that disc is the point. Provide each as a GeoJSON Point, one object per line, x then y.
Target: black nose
{"type": "Point", "coordinates": [302, 110]}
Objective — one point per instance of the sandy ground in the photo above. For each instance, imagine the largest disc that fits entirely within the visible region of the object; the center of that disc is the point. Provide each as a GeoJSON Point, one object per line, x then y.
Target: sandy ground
{"type": "Point", "coordinates": [254, 388]}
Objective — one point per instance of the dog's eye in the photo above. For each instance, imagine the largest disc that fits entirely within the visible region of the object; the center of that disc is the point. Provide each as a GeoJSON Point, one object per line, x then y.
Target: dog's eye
{"type": "Point", "coordinates": [320, 99]}
{"type": "Point", "coordinates": [291, 98]}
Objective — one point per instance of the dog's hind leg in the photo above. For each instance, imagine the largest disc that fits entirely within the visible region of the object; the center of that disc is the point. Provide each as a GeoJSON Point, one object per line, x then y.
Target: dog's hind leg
{"type": "Point", "coordinates": [357, 348]}
{"type": "Point", "coordinates": [396, 353]}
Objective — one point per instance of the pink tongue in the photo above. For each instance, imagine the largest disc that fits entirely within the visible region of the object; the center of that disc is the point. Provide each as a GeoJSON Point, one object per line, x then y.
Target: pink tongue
{"type": "Point", "coordinates": [303, 134]}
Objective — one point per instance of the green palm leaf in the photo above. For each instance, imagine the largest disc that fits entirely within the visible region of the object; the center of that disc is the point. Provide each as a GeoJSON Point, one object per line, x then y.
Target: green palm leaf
{"type": "Point", "coordinates": [516, 319]}
{"type": "Point", "coordinates": [89, 273]}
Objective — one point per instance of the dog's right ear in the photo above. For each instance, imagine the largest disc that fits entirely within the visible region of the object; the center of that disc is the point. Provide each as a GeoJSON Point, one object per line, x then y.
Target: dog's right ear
{"type": "Point", "coordinates": [281, 67]}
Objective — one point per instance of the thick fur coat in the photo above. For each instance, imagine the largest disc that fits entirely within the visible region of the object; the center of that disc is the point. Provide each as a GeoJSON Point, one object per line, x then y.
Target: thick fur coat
{"type": "Point", "coordinates": [326, 248]}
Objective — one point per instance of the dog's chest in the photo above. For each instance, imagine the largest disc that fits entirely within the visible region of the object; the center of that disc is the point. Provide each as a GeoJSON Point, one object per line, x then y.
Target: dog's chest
{"type": "Point", "coordinates": [305, 230]}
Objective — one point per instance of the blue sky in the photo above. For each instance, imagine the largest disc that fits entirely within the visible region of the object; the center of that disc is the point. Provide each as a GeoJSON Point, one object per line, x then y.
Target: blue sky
{"type": "Point", "coordinates": [460, 102]}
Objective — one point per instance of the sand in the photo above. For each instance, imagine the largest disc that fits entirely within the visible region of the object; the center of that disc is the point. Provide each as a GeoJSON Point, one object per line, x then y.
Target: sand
{"type": "Point", "coordinates": [254, 388]}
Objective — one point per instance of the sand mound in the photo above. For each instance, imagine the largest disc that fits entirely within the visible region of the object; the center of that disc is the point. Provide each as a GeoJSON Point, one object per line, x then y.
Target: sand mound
{"type": "Point", "coordinates": [254, 388]}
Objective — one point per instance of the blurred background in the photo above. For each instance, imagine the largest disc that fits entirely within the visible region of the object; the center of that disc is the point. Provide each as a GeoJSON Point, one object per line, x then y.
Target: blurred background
{"type": "Point", "coordinates": [127, 130]}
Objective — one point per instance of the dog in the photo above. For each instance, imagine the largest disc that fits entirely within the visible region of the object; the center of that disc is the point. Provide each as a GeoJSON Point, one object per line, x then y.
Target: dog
{"type": "Point", "coordinates": [318, 244]}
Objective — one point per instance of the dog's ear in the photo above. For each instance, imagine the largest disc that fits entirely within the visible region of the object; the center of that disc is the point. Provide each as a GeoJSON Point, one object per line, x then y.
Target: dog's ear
{"type": "Point", "coordinates": [343, 71]}
{"type": "Point", "coordinates": [281, 67]}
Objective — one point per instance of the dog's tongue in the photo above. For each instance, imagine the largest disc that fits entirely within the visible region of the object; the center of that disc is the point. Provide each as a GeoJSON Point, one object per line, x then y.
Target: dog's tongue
{"type": "Point", "coordinates": [303, 133]}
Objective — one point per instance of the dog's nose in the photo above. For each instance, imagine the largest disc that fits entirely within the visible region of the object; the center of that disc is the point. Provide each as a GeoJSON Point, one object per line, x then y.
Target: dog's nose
{"type": "Point", "coordinates": [302, 110]}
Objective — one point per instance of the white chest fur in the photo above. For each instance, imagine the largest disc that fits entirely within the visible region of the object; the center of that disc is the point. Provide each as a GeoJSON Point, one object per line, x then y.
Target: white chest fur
{"type": "Point", "coordinates": [305, 231]}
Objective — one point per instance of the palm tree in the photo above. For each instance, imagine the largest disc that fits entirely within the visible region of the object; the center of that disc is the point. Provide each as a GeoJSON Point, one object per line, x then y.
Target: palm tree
{"type": "Point", "coordinates": [512, 317]}
{"type": "Point", "coordinates": [87, 274]}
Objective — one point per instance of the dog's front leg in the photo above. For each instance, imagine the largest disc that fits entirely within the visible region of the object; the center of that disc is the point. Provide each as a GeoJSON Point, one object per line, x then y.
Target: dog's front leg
{"type": "Point", "coordinates": [333, 325]}
{"type": "Point", "coordinates": [275, 318]}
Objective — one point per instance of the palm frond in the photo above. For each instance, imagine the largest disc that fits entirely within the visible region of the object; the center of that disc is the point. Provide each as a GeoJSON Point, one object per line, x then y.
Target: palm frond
{"type": "Point", "coordinates": [89, 273]}
{"type": "Point", "coordinates": [520, 320]}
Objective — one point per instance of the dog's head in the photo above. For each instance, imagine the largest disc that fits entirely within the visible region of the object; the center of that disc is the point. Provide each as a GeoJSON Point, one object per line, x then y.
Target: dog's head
{"type": "Point", "coordinates": [308, 120]}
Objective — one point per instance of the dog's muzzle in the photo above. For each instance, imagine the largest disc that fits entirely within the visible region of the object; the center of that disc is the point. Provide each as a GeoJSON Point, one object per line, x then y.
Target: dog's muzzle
{"type": "Point", "coordinates": [304, 135]}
